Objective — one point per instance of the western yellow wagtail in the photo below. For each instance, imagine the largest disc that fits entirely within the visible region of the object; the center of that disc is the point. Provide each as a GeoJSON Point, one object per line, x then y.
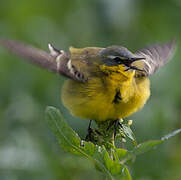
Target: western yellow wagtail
{"type": "Point", "coordinates": [102, 83]}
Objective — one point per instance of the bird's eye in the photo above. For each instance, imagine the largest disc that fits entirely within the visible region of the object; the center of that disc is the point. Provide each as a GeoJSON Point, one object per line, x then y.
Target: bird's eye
{"type": "Point", "coordinates": [120, 60]}
{"type": "Point", "coordinates": [117, 59]}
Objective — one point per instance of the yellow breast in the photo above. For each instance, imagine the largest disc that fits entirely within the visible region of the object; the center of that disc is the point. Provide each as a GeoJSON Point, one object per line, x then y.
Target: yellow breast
{"type": "Point", "coordinates": [95, 99]}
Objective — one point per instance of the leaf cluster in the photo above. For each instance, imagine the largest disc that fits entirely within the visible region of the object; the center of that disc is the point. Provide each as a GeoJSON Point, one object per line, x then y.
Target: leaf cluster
{"type": "Point", "coordinates": [114, 164]}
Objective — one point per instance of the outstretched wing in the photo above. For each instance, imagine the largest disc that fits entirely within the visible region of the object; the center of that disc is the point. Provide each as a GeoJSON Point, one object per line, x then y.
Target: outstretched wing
{"type": "Point", "coordinates": [56, 61]}
{"type": "Point", "coordinates": [156, 55]}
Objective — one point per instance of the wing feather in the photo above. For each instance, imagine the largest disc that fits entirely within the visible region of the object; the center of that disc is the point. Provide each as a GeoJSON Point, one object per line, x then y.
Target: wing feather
{"type": "Point", "coordinates": [156, 55]}
{"type": "Point", "coordinates": [56, 63]}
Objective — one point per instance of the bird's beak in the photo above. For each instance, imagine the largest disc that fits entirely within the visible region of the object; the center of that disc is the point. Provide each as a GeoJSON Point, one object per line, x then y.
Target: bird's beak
{"type": "Point", "coordinates": [136, 59]}
{"type": "Point", "coordinates": [131, 60]}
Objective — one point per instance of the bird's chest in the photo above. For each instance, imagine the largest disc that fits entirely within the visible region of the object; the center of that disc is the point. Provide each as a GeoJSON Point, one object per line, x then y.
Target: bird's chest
{"type": "Point", "coordinates": [116, 92]}
{"type": "Point", "coordinates": [123, 98]}
{"type": "Point", "coordinates": [102, 99]}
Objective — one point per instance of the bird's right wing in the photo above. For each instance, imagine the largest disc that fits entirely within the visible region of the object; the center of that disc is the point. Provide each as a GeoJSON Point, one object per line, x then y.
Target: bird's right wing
{"type": "Point", "coordinates": [56, 61]}
{"type": "Point", "coordinates": [156, 56]}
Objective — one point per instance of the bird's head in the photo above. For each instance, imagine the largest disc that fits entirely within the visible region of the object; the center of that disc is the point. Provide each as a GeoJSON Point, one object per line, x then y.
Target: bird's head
{"type": "Point", "coordinates": [120, 60]}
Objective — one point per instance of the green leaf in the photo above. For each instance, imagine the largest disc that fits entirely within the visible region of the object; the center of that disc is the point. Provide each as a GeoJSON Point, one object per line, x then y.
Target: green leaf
{"type": "Point", "coordinates": [128, 132]}
{"type": "Point", "coordinates": [113, 166]}
{"type": "Point", "coordinates": [168, 136]}
{"type": "Point", "coordinates": [70, 141]}
{"type": "Point", "coordinates": [126, 175]}
{"type": "Point", "coordinates": [121, 153]}
{"type": "Point", "coordinates": [147, 146]}
{"type": "Point", "coordinates": [67, 138]}
{"type": "Point", "coordinates": [140, 149]}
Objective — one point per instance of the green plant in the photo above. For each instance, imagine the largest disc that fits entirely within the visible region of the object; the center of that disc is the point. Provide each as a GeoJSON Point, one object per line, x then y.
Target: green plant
{"type": "Point", "coordinates": [113, 162]}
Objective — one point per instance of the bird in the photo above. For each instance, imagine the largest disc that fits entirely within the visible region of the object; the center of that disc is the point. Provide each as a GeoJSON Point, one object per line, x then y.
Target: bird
{"type": "Point", "coordinates": [101, 83]}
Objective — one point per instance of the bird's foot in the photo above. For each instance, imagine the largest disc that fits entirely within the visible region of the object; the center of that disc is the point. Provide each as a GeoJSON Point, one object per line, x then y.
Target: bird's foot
{"type": "Point", "coordinates": [107, 132]}
{"type": "Point", "coordinates": [93, 135]}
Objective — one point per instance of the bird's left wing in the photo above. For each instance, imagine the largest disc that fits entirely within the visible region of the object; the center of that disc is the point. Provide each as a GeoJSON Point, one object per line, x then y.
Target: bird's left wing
{"type": "Point", "coordinates": [156, 56]}
{"type": "Point", "coordinates": [56, 61]}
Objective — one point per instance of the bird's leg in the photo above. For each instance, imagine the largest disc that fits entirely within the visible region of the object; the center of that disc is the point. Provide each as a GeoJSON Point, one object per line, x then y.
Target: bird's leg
{"type": "Point", "coordinates": [110, 125]}
{"type": "Point", "coordinates": [89, 132]}
{"type": "Point", "coordinates": [117, 124]}
{"type": "Point", "coordinates": [115, 128]}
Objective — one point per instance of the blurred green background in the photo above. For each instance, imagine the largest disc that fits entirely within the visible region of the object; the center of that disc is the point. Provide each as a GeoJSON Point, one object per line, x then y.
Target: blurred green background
{"type": "Point", "coordinates": [28, 149]}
